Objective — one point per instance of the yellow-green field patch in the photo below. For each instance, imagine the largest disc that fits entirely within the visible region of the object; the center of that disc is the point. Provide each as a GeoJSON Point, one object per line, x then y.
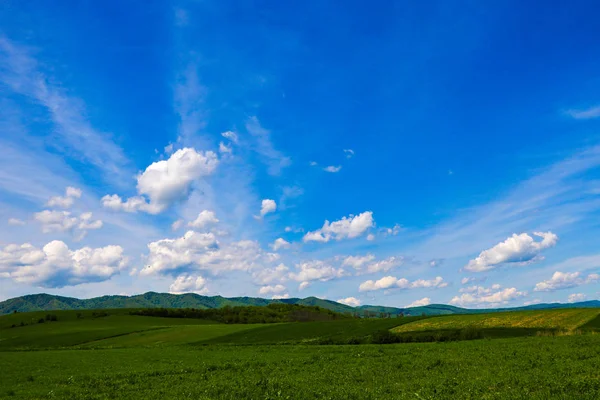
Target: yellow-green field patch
{"type": "Point", "coordinates": [569, 319]}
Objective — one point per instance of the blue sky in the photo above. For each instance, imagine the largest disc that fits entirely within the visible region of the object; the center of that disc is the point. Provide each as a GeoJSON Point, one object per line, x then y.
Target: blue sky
{"type": "Point", "coordinates": [374, 153]}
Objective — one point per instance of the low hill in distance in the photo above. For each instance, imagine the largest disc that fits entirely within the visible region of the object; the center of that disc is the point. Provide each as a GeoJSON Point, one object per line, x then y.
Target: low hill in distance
{"type": "Point", "coordinates": [47, 302]}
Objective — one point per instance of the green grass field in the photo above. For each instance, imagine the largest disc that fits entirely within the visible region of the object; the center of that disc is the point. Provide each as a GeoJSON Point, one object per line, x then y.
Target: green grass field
{"type": "Point", "coordinates": [122, 356]}
{"type": "Point", "coordinates": [175, 335]}
{"type": "Point", "coordinates": [522, 368]}
{"type": "Point", "coordinates": [335, 332]}
{"type": "Point", "coordinates": [72, 332]}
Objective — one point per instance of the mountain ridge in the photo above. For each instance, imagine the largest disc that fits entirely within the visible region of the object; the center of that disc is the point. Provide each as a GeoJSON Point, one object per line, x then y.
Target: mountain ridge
{"type": "Point", "coordinates": [48, 302]}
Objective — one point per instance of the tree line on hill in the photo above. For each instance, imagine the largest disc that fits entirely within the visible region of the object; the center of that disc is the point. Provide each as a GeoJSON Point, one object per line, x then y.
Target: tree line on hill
{"type": "Point", "coordinates": [248, 315]}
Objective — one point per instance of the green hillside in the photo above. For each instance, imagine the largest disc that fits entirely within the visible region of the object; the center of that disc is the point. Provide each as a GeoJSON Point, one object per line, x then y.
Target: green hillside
{"type": "Point", "coordinates": [72, 330]}
{"type": "Point", "coordinates": [165, 327]}
{"type": "Point", "coordinates": [46, 302]}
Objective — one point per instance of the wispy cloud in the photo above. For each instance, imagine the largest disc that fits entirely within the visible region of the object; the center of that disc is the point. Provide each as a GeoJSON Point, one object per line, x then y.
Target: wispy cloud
{"type": "Point", "coordinates": [273, 158]}
{"type": "Point", "coordinates": [586, 113]}
{"type": "Point", "coordinates": [333, 168]}
{"type": "Point", "coordinates": [77, 137]}
{"type": "Point", "coordinates": [190, 104]}
{"type": "Point", "coordinates": [551, 199]}
{"type": "Point", "coordinates": [230, 193]}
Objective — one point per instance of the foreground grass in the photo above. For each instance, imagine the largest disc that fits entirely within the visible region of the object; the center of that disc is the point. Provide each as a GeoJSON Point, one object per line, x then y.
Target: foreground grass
{"type": "Point", "coordinates": [563, 319]}
{"type": "Point", "coordinates": [521, 368]}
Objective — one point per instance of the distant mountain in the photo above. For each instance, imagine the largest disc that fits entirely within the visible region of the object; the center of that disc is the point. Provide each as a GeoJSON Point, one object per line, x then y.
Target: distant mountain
{"type": "Point", "coordinates": [46, 302]}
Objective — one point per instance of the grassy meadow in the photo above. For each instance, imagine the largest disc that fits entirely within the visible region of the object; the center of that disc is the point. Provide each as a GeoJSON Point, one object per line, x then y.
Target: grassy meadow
{"type": "Point", "coordinates": [122, 356]}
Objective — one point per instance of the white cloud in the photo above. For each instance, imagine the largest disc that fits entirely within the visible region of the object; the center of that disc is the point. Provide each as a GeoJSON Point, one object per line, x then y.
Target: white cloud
{"type": "Point", "coordinates": [167, 255]}
{"type": "Point", "coordinates": [201, 251]}
{"type": "Point", "coordinates": [479, 296]}
{"type": "Point", "coordinates": [167, 181]}
{"type": "Point", "coordinates": [280, 243]}
{"type": "Point", "coordinates": [313, 163]}
{"type": "Point", "coordinates": [205, 218]}
{"type": "Point", "coordinates": [367, 263]}
{"type": "Point", "coordinates": [349, 153]}
{"type": "Point", "coordinates": [274, 158]}
{"type": "Point", "coordinates": [357, 262]}
{"type": "Point", "coordinates": [267, 276]}
{"type": "Point", "coordinates": [350, 301]}
{"type": "Point", "coordinates": [169, 148]}
{"type": "Point", "coordinates": [293, 229]}
{"type": "Point", "coordinates": [480, 290]}
{"type": "Point", "coordinates": [303, 285]}
{"type": "Point", "coordinates": [332, 168]}
{"type": "Point", "coordinates": [390, 282]}
{"type": "Point", "coordinates": [55, 221]}
{"type": "Point", "coordinates": [86, 223]}
{"type": "Point", "coordinates": [384, 283]}
{"type": "Point", "coordinates": [276, 289]}
{"type": "Point", "coordinates": [315, 270]}
{"type": "Point", "coordinates": [370, 237]}
{"type": "Point", "coordinates": [588, 113]}
{"type": "Point", "coordinates": [385, 265]}
{"type": "Point", "coordinates": [437, 282]}
{"type": "Point", "coordinates": [64, 221]}
{"type": "Point", "coordinates": [565, 280]}
{"type": "Point", "coordinates": [185, 283]}
{"type": "Point", "coordinates": [267, 206]}
{"type": "Point", "coordinates": [425, 301]}
{"type": "Point", "coordinates": [231, 136]}
{"type": "Point", "coordinates": [346, 228]}
{"type": "Point", "coordinates": [395, 230]}
{"type": "Point", "coordinates": [133, 204]}
{"type": "Point", "coordinates": [224, 149]}
{"type": "Point", "coordinates": [577, 297]}
{"type": "Point", "coordinates": [280, 296]}
{"type": "Point", "coordinates": [15, 222]}
{"type": "Point", "coordinates": [56, 266]}
{"type": "Point", "coordinates": [177, 224]}
{"type": "Point", "coordinates": [516, 249]}
{"type": "Point", "coordinates": [67, 200]}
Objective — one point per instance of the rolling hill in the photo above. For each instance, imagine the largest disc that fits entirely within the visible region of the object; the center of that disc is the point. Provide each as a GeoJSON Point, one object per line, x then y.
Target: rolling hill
{"type": "Point", "coordinates": [46, 302]}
